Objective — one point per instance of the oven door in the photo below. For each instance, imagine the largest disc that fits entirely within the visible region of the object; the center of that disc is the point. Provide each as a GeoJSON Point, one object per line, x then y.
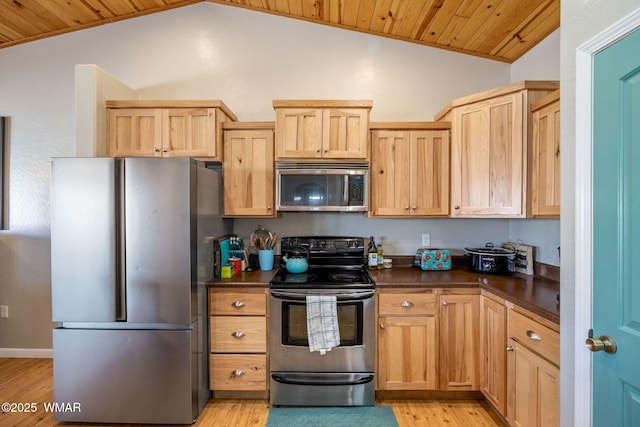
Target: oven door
{"type": "Point", "coordinates": [289, 346]}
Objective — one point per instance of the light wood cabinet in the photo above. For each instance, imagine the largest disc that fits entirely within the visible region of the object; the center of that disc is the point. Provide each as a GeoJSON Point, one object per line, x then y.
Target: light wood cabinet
{"type": "Point", "coordinates": [248, 169]}
{"type": "Point", "coordinates": [545, 160]}
{"type": "Point", "coordinates": [238, 340]}
{"type": "Point", "coordinates": [167, 128]}
{"type": "Point", "coordinates": [493, 357]}
{"type": "Point", "coordinates": [490, 146]}
{"type": "Point", "coordinates": [533, 376]}
{"type": "Point", "coordinates": [407, 352]}
{"type": "Point", "coordinates": [409, 169]}
{"type": "Point", "coordinates": [459, 314]}
{"type": "Point", "coordinates": [329, 130]}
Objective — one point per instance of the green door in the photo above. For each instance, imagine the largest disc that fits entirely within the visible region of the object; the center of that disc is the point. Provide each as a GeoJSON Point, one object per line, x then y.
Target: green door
{"type": "Point", "coordinates": [616, 232]}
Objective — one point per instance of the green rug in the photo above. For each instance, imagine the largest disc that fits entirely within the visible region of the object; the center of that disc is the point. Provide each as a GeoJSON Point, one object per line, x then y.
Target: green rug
{"type": "Point", "coordinates": [369, 416]}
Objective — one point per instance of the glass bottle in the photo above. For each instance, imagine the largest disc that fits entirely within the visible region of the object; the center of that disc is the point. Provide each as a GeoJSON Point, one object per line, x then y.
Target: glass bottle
{"type": "Point", "coordinates": [380, 256]}
{"type": "Point", "coordinates": [372, 255]}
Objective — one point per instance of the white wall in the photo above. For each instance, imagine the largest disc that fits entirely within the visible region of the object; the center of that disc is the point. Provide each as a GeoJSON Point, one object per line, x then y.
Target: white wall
{"type": "Point", "coordinates": [543, 61]}
{"type": "Point", "coordinates": [580, 22]}
{"type": "Point", "coordinates": [211, 51]}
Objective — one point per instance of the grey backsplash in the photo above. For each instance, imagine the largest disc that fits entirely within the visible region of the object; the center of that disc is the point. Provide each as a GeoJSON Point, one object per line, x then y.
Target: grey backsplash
{"type": "Point", "coordinates": [404, 236]}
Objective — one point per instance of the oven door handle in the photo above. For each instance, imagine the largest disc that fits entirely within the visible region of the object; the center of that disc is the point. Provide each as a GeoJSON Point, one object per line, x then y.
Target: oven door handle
{"type": "Point", "coordinates": [299, 296]}
{"type": "Point", "coordinates": [292, 379]}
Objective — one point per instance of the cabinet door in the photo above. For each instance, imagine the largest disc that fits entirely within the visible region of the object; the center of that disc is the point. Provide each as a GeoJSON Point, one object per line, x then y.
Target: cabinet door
{"type": "Point", "coordinates": [298, 133]}
{"type": "Point", "coordinates": [487, 158]}
{"type": "Point", "coordinates": [545, 177]}
{"type": "Point", "coordinates": [135, 132]}
{"type": "Point", "coordinates": [429, 173]}
{"type": "Point", "coordinates": [407, 354]}
{"type": "Point", "coordinates": [189, 132]}
{"type": "Point", "coordinates": [493, 360]}
{"type": "Point", "coordinates": [459, 350]}
{"type": "Point", "coordinates": [248, 173]}
{"type": "Point", "coordinates": [345, 133]}
{"type": "Point", "coordinates": [390, 173]}
{"type": "Point", "coordinates": [533, 389]}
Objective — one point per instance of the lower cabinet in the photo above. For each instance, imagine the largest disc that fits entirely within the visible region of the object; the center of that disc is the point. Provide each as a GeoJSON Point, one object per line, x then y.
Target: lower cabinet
{"type": "Point", "coordinates": [533, 375]}
{"type": "Point", "coordinates": [238, 340]}
{"type": "Point", "coordinates": [407, 340]}
{"type": "Point", "coordinates": [459, 312]}
{"type": "Point", "coordinates": [493, 357]}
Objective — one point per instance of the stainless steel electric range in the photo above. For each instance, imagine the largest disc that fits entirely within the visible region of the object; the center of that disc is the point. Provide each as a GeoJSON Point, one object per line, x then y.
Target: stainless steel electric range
{"type": "Point", "coordinates": [343, 376]}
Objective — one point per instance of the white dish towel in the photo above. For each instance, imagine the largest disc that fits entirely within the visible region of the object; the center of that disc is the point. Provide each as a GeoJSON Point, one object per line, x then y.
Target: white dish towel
{"type": "Point", "coordinates": [322, 323]}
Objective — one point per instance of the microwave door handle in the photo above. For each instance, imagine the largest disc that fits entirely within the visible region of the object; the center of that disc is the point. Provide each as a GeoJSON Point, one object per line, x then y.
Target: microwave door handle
{"type": "Point", "coordinates": [345, 191]}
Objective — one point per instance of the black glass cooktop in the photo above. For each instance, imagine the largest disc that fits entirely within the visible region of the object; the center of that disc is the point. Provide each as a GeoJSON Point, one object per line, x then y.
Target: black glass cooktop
{"type": "Point", "coordinates": [323, 277]}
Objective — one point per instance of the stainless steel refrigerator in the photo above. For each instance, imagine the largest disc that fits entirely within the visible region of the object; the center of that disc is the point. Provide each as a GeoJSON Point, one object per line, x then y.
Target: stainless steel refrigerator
{"type": "Point", "coordinates": [130, 254]}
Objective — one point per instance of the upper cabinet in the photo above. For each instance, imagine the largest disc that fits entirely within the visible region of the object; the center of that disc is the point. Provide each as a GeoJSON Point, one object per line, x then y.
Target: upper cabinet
{"type": "Point", "coordinates": [491, 136]}
{"type": "Point", "coordinates": [167, 128]}
{"type": "Point", "coordinates": [409, 169]}
{"type": "Point", "coordinates": [248, 169]}
{"type": "Point", "coordinates": [545, 161]}
{"type": "Point", "coordinates": [330, 130]}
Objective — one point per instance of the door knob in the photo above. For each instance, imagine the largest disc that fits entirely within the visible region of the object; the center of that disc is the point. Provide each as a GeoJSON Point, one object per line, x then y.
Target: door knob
{"type": "Point", "coordinates": [605, 343]}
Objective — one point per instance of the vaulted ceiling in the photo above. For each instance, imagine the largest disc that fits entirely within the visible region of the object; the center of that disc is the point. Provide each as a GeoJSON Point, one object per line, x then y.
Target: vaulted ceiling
{"type": "Point", "coordinates": [502, 30]}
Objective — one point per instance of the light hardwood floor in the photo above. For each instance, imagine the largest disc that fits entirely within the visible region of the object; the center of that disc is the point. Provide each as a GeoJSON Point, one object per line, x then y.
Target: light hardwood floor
{"type": "Point", "coordinates": [30, 381]}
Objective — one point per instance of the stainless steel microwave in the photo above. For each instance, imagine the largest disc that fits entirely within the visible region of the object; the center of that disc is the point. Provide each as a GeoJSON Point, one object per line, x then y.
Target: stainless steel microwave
{"type": "Point", "coordinates": [337, 187]}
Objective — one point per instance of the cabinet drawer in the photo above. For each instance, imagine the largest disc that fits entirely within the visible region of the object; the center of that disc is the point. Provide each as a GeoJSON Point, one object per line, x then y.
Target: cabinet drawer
{"type": "Point", "coordinates": [244, 372]}
{"type": "Point", "coordinates": [406, 303]}
{"type": "Point", "coordinates": [238, 334]}
{"type": "Point", "coordinates": [533, 335]}
{"type": "Point", "coordinates": [237, 303]}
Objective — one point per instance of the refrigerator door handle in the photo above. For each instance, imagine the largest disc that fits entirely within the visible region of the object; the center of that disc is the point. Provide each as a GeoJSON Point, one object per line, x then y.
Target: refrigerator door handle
{"type": "Point", "coordinates": [120, 276]}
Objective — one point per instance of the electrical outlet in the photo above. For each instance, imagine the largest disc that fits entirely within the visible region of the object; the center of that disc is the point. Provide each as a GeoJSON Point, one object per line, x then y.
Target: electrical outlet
{"type": "Point", "coordinates": [4, 311]}
{"type": "Point", "coordinates": [426, 240]}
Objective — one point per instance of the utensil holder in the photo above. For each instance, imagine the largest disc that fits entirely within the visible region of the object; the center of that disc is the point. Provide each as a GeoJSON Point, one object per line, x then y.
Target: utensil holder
{"type": "Point", "coordinates": [265, 258]}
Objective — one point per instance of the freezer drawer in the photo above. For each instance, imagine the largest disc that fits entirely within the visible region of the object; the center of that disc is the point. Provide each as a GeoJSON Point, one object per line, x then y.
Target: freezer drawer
{"type": "Point", "coordinates": [126, 376]}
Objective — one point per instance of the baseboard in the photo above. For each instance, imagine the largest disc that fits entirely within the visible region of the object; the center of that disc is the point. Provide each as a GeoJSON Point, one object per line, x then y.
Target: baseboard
{"type": "Point", "coordinates": [27, 353]}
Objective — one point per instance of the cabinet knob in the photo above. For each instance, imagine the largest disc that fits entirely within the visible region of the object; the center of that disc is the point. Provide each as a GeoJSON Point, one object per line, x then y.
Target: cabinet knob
{"type": "Point", "coordinates": [326, 150]}
{"type": "Point", "coordinates": [237, 334]}
{"type": "Point", "coordinates": [534, 336]}
{"type": "Point", "coordinates": [414, 207]}
{"type": "Point", "coordinates": [406, 207]}
{"type": "Point", "coordinates": [445, 303]}
{"type": "Point", "coordinates": [381, 325]}
{"type": "Point", "coordinates": [156, 150]}
{"type": "Point", "coordinates": [509, 348]}
{"type": "Point", "coordinates": [237, 373]}
{"type": "Point", "coordinates": [406, 304]}
{"type": "Point", "coordinates": [318, 150]}
{"type": "Point", "coordinates": [268, 208]}
{"type": "Point", "coordinates": [457, 207]}
{"type": "Point", "coordinates": [238, 304]}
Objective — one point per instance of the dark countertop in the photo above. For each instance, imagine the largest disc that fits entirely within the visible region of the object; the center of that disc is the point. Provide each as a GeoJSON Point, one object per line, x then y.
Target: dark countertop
{"type": "Point", "coordinates": [533, 293]}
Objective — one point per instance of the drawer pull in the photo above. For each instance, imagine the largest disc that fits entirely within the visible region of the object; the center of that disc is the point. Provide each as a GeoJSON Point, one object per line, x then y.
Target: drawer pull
{"type": "Point", "coordinates": [237, 334]}
{"type": "Point", "coordinates": [406, 304]}
{"type": "Point", "coordinates": [237, 373]}
{"type": "Point", "coordinates": [238, 304]}
{"type": "Point", "coordinates": [534, 336]}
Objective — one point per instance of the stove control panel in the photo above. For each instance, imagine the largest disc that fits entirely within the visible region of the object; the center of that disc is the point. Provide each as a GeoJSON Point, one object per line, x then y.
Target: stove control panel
{"type": "Point", "coordinates": [325, 244]}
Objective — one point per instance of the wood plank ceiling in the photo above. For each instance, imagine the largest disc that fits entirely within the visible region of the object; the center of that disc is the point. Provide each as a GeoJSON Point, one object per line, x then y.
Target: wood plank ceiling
{"type": "Point", "coordinates": [502, 30]}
